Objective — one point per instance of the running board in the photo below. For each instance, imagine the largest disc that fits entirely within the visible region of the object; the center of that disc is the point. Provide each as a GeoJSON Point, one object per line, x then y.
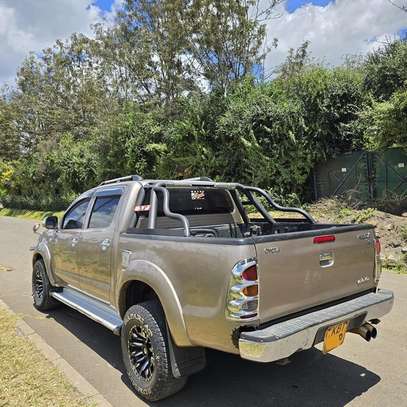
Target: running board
{"type": "Point", "coordinates": [92, 308]}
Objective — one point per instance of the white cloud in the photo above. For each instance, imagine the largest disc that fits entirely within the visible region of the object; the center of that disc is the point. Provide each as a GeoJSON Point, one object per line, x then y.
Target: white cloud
{"type": "Point", "coordinates": [32, 25]}
{"type": "Point", "coordinates": [343, 27]}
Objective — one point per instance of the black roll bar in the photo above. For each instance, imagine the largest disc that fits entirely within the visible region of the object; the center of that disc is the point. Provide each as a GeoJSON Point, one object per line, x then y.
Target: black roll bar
{"type": "Point", "coordinates": [258, 205]}
{"type": "Point", "coordinates": [276, 205]}
{"type": "Point", "coordinates": [240, 206]}
{"type": "Point", "coordinates": [247, 190]}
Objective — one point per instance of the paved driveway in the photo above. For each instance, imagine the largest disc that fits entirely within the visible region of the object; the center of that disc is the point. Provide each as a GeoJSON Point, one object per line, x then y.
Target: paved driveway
{"type": "Point", "coordinates": [358, 373]}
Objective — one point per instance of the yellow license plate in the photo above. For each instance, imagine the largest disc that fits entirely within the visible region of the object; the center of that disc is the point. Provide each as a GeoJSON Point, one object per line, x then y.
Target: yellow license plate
{"type": "Point", "coordinates": [335, 335]}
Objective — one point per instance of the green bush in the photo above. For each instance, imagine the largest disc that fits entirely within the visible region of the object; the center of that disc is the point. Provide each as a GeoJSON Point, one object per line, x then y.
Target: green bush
{"type": "Point", "coordinates": [385, 123]}
{"type": "Point", "coordinates": [6, 174]}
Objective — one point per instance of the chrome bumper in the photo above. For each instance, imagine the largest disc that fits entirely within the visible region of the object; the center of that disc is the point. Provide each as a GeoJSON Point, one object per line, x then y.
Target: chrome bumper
{"type": "Point", "coordinates": [282, 339]}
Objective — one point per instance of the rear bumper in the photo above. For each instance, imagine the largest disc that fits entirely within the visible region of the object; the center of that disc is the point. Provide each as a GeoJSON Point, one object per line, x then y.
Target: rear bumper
{"type": "Point", "coordinates": [282, 339]}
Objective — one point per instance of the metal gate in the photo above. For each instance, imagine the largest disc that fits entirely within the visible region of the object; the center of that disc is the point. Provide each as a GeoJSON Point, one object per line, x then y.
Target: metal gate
{"type": "Point", "coordinates": [390, 174]}
{"type": "Point", "coordinates": [364, 176]}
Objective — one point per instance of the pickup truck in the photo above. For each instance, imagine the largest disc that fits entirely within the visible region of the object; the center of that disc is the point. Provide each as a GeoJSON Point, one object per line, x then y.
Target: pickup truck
{"type": "Point", "coordinates": [177, 266]}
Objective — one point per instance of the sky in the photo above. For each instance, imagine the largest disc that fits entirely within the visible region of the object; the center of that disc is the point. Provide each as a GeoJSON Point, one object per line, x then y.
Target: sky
{"type": "Point", "coordinates": [335, 28]}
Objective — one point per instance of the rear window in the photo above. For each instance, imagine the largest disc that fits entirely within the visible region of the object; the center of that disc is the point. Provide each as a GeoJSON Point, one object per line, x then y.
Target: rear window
{"type": "Point", "coordinates": [194, 201]}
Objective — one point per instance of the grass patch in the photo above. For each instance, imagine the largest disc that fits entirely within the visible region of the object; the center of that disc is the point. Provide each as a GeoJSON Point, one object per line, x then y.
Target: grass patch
{"type": "Point", "coordinates": [28, 214]}
{"type": "Point", "coordinates": [26, 377]}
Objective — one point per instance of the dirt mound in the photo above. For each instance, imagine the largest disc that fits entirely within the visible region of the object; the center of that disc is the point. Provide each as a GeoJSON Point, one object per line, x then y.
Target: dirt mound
{"type": "Point", "coordinates": [391, 229]}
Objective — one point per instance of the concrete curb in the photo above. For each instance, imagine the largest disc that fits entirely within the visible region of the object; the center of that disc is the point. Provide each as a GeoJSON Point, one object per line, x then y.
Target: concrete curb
{"type": "Point", "coordinates": [90, 394]}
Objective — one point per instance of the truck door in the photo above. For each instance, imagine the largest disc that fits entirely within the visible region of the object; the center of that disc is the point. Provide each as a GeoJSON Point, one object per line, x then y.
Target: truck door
{"type": "Point", "coordinates": [95, 249]}
{"type": "Point", "coordinates": [65, 244]}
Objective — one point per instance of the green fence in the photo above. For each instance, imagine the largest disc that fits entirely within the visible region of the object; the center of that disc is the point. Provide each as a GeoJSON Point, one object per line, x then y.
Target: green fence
{"type": "Point", "coordinates": [364, 176]}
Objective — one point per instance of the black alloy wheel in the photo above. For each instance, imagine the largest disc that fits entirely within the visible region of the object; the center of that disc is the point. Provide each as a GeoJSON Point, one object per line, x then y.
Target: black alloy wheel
{"type": "Point", "coordinates": [141, 351]}
{"type": "Point", "coordinates": [38, 284]}
{"type": "Point", "coordinates": [145, 350]}
{"type": "Point", "coordinates": [41, 288]}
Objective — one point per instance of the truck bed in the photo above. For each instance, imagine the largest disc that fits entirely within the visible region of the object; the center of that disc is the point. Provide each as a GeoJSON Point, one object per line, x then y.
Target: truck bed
{"type": "Point", "coordinates": [301, 264]}
{"type": "Point", "coordinates": [291, 275]}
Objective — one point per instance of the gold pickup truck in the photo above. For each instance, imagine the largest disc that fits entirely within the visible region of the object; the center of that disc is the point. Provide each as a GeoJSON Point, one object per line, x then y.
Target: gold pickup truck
{"type": "Point", "coordinates": [175, 267]}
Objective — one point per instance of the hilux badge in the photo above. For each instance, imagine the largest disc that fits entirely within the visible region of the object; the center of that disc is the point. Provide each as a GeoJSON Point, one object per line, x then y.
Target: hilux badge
{"type": "Point", "coordinates": [271, 250]}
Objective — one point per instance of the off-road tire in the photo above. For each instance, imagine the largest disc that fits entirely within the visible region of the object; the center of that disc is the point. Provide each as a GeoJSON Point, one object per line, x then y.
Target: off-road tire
{"type": "Point", "coordinates": [43, 301]}
{"type": "Point", "coordinates": [149, 317]}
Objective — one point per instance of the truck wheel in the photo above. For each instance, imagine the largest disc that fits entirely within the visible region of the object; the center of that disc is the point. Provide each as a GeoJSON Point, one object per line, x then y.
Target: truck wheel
{"type": "Point", "coordinates": [146, 352]}
{"type": "Point", "coordinates": [41, 288]}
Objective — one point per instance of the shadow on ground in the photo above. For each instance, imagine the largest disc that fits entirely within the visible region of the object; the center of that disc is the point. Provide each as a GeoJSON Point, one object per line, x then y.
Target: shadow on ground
{"type": "Point", "coordinates": [311, 379]}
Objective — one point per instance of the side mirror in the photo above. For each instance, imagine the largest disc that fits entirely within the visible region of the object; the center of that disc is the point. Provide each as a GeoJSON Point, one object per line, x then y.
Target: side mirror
{"type": "Point", "coordinates": [36, 227]}
{"type": "Point", "coordinates": [51, 222]}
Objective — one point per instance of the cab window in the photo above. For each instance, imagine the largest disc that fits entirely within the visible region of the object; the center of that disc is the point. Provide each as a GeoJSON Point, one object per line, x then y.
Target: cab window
{"type": "Point", "coordinates": [75, 217]}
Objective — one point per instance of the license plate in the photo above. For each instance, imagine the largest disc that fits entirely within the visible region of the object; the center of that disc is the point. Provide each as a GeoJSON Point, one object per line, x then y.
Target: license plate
{"type": "Point", "coordinates": [335, 335]}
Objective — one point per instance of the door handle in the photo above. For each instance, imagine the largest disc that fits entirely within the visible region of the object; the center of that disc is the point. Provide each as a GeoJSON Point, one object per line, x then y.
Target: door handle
{"type": "Point", "coordinates": [74, 241]}
{"type": "Point", "coordinates": [104, 244]}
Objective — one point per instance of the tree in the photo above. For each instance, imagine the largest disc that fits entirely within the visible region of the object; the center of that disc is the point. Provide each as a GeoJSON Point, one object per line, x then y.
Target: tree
{"type": "Point", "coordinates": [385, 70]}
{"type": "Point", "coordinates": [131, 143]}
{"type": "Point", "coordinates": [401, 6]}
{"type": "Point", "coordinates": [385, 123]}
{"type": "Point", "coordinates": [59, 91]}
{"type": "Point", "coordinates": [161, 49]}
{"type": "Point", "coordinates": [6, 174]}
{"type": "Point", "coordinates": [10, 145]}
{"type": "Point", "coordinates": [296, 61]}
{"type": "Point", "coordinates": [223, 42]}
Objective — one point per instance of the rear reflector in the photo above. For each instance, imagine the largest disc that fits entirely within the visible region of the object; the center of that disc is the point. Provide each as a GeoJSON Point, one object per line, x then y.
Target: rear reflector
{"type": "Point", "coordinates": [324, 239]}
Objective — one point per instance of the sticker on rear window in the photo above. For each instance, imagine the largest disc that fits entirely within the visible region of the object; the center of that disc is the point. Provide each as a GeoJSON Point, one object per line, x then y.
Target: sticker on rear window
{"type": "Point", "coordinates": [142, 208]}
{"type": "Point", "coordinates": [197, 195]}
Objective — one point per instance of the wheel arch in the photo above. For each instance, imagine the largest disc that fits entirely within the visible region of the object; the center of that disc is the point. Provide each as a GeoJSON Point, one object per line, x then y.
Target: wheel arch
{"type": "Point", "coordinates": [37, 256]}
{"type": "Point", "coordinates": [42, 253]}
{"type": "Point", "coordinates": [144, 281]}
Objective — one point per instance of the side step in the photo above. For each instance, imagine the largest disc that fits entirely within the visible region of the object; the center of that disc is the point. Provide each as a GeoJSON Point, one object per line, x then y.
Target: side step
{"type": "Point", "coordinates": [92, 308]}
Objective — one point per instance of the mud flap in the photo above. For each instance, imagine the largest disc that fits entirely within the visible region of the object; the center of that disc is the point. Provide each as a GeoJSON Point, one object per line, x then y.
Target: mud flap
{"type": "Point", "coordinates": [185, 360]}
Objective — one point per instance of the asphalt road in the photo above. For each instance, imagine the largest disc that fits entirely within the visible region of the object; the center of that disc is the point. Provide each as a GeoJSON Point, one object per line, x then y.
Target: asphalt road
{"type": "Point", "coordinates": [358, 373]}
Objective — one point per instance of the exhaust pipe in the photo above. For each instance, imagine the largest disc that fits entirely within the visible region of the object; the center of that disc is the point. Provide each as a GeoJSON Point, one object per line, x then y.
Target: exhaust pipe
{"type": "Point", "coordinates": [372, 330]}
{"type": "Point", "coordinates": [366, 331]}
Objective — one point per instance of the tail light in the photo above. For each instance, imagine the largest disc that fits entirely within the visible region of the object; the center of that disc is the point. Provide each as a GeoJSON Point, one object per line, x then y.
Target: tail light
{"type": "Point", "coordinates": [378, 260]}
{"type": "Point", "coordinates": [250, 274]}
{"type": "Point", "coordinates": [243, 293]}
{"type": "Point", "coordinates": [378, 247]}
